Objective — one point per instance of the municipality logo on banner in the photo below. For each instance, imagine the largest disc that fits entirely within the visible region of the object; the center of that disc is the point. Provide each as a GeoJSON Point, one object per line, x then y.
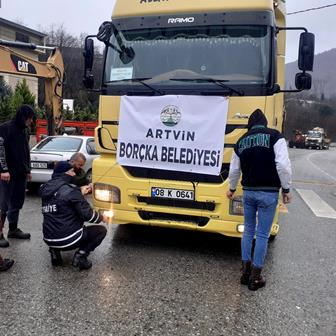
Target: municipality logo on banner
{"type": "Point", "coordinates": [170, 115]}
{"type": "Point", "coordinates": [179, 133]}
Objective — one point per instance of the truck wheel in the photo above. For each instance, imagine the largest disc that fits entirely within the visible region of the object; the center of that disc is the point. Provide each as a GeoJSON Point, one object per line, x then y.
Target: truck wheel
{"type": "Point", "coordinates": [271, 238]}
{"type": "Point", "coordinates": [89, 175]}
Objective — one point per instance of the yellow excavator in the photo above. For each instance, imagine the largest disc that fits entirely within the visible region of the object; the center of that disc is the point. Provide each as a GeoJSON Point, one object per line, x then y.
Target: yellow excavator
{"type": "Point", "coordinates": [13, 61]}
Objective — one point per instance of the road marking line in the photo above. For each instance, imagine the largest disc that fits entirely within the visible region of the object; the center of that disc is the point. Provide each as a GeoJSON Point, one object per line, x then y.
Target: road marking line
{"type": "Point", "coordinates": [315, 182]}
{"type": "Point", "coordinates": [283, 208]}
{"type": "Point", "coordinates": [318, 168]}
{"type": "Point", "coordinates": [319, 207]}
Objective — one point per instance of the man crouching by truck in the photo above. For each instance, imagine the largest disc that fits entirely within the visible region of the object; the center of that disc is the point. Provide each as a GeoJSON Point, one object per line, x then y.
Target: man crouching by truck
{"type": "Point", "coordinates": [65, 210]}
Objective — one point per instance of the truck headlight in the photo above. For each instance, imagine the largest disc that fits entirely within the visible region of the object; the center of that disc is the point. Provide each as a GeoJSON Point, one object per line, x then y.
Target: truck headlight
{"type": "Point", "coordinates": [240, 228]}
{"type": "Point", "coordinates": [106, 193]}
{"type": "Point", "coordinates": [236, 206]}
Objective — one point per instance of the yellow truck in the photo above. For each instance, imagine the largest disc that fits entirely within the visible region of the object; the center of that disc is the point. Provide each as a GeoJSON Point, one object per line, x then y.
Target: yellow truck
{"type": "Point", "coordinates": [180, 80]}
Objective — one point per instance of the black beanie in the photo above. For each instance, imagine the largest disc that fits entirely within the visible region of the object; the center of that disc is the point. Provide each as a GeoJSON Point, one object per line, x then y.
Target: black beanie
{"type": "Point", "coordinates": [61, 167]}
{"type": "Point", "coordinates": [257, 118]}
{"type": "Point", "coordinates": [23, 113]}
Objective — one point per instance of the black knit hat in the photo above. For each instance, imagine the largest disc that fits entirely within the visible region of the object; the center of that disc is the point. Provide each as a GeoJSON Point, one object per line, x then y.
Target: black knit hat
{"type": "Point", "coordinates": [62, 167]}
{"type": "Point", "coordinates": [23, 113]}
{"type": "Point", "coordinates": [257, 118]}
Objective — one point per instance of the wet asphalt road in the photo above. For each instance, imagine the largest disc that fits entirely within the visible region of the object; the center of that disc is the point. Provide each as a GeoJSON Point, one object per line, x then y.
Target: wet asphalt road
{"type": "Point", "coordinates": [153, 281]}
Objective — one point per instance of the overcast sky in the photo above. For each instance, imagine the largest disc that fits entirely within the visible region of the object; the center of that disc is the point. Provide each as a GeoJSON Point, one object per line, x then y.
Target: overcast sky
{"type": "Point", "coordinates": [79, 16]}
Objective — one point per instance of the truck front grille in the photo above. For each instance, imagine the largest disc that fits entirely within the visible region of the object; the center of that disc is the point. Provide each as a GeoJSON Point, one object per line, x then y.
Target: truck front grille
{"type": "Point", "coordinates": [159, 174]}
{"type": "Point", "coordinates": [206, 206]}
{"type": "Point", "coordinates": [163, 216]}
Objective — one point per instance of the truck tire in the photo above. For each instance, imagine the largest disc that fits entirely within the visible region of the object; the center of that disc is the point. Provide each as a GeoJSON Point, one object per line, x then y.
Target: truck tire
{"type": "Point", "coordinates": [89, 175]}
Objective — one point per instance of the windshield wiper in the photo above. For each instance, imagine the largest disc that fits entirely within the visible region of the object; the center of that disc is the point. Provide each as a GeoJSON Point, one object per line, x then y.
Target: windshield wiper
{"type": "Point", "coordinates": [126, 54]}
{"type": "Point", "coordinates": [219, 82]}
{"type": "Point", "coordinates": [138, 80]}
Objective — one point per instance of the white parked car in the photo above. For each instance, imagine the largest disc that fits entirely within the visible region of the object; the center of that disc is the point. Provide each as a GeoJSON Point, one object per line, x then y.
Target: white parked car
{"type": "Point", "coordinates": [52, 149]}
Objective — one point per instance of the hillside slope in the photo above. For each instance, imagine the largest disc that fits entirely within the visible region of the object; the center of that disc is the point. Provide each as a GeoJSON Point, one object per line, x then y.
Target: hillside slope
{"type": "Point", "coordinates": [324, 74]}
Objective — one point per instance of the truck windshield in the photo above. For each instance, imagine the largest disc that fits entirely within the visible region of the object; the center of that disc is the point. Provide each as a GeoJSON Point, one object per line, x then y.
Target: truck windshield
{"type": "Point", "coordinates": [234, 54]}
{"type": "Point", "coordinates": [314, 134]}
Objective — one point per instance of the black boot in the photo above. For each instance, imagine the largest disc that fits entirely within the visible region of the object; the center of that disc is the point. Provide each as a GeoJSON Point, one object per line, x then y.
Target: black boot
{"type": "Point", "coordinates": [56, 257]}
{"type": "Point", "coordinates": [6, 264]}
{"type": "Point", "coordinates": [18, 234]}
{"type": "Point", "coordinates": [80, 261]}
{"type": "Point", "coordinates": [3, 241]}
{"type": "Point", "coordinates": [256, 280]}
{"type": "Point", "coordinates": [246, 272]}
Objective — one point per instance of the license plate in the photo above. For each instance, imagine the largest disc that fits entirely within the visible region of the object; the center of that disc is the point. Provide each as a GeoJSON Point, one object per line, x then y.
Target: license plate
{"type": "Point", "coordinates": [39, 165]}
{"type": "Point", "coordinates": [173, 193]}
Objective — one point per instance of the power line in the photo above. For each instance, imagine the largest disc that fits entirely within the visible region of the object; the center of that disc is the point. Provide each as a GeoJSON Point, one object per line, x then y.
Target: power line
{"type": "Point", "coordinates": [312, 9]}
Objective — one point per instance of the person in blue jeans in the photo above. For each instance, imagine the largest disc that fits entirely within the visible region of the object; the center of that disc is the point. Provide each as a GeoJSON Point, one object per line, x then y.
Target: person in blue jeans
{"type": "Point", "coordinates": [261, 156]}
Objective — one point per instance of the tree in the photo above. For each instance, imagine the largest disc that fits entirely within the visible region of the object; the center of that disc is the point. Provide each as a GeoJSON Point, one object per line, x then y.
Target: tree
{"type": "Point", "coordinates": [86, 103]}
{"type": "Point", "coordinates": [58, 36]}
{"type": "Point", "coordinates": [5, 89]}
{"type": "Point", "coordinates": [9, 102]}
{"type": "Point", "coordinates": [5, 95]}
{"type": "Point", "coordinates": [22, 95]}
{"type": "Point", "coordinates": [305, 111]}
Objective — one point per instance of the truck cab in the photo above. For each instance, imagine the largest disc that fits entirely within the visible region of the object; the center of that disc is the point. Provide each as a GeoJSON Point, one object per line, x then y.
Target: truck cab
{"type": "Point", "coordinates": [297, 140]}
{"type": "Point", "coordinates": [317, 139]}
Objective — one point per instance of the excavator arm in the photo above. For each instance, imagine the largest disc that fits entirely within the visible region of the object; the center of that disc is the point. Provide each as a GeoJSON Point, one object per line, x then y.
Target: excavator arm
{"type": "Point", "coordinates": [52, 71]}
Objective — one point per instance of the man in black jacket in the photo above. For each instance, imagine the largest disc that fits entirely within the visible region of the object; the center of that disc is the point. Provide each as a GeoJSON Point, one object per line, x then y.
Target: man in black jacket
{"type": "Point", "coordinates": [262, 156]}
{"type": "Point", "coordinates": [64, 211]}
{"type": "Point", "coordinates": [14, 170]}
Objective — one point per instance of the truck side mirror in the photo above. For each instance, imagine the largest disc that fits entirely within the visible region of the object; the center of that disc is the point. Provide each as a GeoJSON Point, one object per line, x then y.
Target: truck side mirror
{"type": "Point", "coordinates": [306, 51]}
{"type": "Point", "coordinates": [303, 81]}
{"type": "Point", "coordinates": [88, 54]}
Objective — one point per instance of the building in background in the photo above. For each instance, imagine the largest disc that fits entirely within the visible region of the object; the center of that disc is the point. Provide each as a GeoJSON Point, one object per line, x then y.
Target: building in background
{"type": "Point", "coordinates": [12, 31]}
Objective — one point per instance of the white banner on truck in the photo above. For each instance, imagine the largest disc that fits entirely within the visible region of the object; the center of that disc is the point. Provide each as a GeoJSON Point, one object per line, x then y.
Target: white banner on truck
{"type": "Point", "coordinates": [180, 133]}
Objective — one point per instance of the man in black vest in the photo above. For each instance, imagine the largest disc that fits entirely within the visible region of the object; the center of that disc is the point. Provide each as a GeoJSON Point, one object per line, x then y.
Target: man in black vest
{"type": "Point", "coordinates": [262, 157]}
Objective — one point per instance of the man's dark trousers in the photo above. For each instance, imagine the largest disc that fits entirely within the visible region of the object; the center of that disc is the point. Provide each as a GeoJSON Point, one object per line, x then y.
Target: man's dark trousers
{"type": "Point", "coordinates": [12, 196]}
{"type": "Point", "coordinates": [93, 236]}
